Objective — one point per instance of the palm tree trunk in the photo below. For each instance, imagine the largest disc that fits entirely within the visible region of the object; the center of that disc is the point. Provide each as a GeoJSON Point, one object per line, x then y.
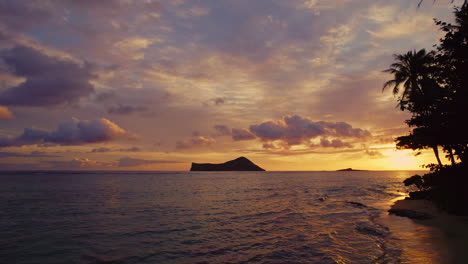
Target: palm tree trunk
{"type": "Point", "coordinates": [452, 157]}
{"type": "Point", "coordinates": [436, 153]}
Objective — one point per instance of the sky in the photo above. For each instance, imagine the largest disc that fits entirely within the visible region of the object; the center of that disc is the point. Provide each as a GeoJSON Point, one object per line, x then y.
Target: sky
{"type": "Point", "coordinates": [156, 85]}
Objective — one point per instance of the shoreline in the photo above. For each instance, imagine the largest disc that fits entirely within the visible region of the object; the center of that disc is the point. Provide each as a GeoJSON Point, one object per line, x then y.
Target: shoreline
{"type": "Point", "coordinates": [440, 231]}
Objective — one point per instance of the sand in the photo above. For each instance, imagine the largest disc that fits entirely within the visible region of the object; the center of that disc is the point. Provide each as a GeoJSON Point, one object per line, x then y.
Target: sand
{"type": "Point", "coordinates": [446, 235]}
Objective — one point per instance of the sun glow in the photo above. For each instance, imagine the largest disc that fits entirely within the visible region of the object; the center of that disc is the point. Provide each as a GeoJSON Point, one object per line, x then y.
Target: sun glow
{"type": "Point", "coordinates": [402, 160]}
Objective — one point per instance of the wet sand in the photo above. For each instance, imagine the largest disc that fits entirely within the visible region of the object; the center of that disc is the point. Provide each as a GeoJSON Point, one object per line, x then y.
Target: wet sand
{"type": "Point", "coordinates": [442, 238]}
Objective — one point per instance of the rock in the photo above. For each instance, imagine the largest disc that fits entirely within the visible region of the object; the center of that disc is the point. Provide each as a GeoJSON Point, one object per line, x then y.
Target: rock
{"type": "Point", "coordinates": [414, 209]}
{"type": "Point", "coordinates": [410, 214]}
{"type": "Point", "coordinates": [420, 195]}
{"type": "Point", "coordinates": [356, 204]}
{"type": "Point", "coordinates": [239, 164]}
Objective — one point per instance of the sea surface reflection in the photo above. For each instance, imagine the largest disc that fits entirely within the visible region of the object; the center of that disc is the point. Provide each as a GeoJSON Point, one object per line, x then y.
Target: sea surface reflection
{"type": "Point", "coordinates": [207, 217]}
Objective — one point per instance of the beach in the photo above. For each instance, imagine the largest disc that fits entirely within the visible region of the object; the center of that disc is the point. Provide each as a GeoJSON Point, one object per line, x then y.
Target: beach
{"type": "Point", "coordinates": [444, 236]}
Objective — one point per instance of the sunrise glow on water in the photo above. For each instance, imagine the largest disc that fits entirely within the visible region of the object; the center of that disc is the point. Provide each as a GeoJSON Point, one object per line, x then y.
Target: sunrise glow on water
{"type": "Point", "coordinates": [206, 217]}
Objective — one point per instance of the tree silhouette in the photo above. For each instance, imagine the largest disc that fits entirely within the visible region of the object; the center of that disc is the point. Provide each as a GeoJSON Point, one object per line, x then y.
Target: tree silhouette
{"type": "Point", "coordinates": [452, 61]}
{"type": "Point", "coordinates": [415, 85]}
{"type": "Point", "coordinates": [433, 87]}
{"type": "Point", "coordinates": [411, 72]}
{"type": "Point", "coordinates": [421, 1]}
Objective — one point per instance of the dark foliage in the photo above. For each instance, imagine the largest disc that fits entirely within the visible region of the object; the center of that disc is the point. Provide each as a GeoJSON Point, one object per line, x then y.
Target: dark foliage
{"type": "Point", "coordinates": [433, 87]}
{"type": "Point", "coordinates": [446, 186]}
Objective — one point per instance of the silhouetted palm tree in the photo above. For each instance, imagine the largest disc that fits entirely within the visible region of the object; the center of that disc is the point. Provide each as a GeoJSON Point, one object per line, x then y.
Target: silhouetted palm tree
{"type": "Point", "coordinates": [414, 84]}
{"type": "Point", "coordinates": [410, 72]}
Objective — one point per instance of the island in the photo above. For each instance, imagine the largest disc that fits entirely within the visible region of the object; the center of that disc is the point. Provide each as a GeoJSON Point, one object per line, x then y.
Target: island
{"type": "Point", "coordinates": [349, 169]}
{"type": "Point", "coordinates": [239, 164]}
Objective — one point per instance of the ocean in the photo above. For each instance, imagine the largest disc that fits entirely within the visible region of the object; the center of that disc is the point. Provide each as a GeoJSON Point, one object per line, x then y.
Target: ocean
{"type": "Point", "coordinates": [206, 217]}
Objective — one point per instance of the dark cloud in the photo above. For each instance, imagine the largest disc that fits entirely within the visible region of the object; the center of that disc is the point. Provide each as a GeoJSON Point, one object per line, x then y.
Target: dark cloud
{"type": "Point", "coordinates": [104, 149]}
{"type": "Point", "coordinates": [126, 109]}
{"type": "Point", "coordinates": [242, 134]}
{"type": "Point", "coordinates": [222, 130]}
{"type": "Point", "coordinates": [334, 143]}
{"type": "Point", "coordinates": [23, 14]}
{"type": "Point", "coordinates": [128, 101]}
{"type": "Point", "coordinates": [92, 4]}
{"type": "Point", "coordinates": [289, 152]}
{"type": "Point", "coordinates": [73, 132]}
{"type": "Point", "coordinates": [33, 154]}
{"type": "Point", "coordinates": [219, 100]}
{"type": "Point", "coordinates": [342, 129]}
{"type": "Point", "coordinates": [268, 146]}
{"type": "Point", "coordinates": [50, 80]}
{"type": "Point", "coordinates": [105, 96]}
{"type": "Point", "coordinates": [132, 149]}
{"type": "Point", "coordinates": [101, 150]}
{"type": "Point", "coordinates": [132, 162]}
{"type": "Point", "coordinates": [295, 130]}
{"type": "Point", "coordinates": [19, 166]}
{"type": "Point", "coordinates": [374, 153]}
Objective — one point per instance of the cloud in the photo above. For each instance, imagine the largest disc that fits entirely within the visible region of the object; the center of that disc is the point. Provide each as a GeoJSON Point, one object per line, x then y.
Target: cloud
{"type": "Point", "coordinates": [269, 146]}
{"type": "Point", "coordinates": [132, 149]}
{"type": "Point", "coordinates": [50, 80]}
{"type": "Point", "coordinates": [295, 130]}
{"type": "Point", "coordinates": [317, 6]}
{"type": "Point", "coordinates": [22, 14]}
{"type": "Point", "coordinates": [8, 166]}
{"type": "Point", "coordinates": [289, 152]}
{"type": "Point", "coordinates": [222, 130]}
{"type": "Point", "coordinates": [126, 109]}
{"type": "Point", "coordinates": [242, 134]}
{"type": "Point", "coordinates": [5, 113]}
{"type": "Point", "coordinates": [134, 43]}
{"type": "Point", "coordinates": [104, 149]}
{"type": "Point", "coordinates": [33, 154]}
{"type": "Point", "coordinates": [132, 162]}
{"type": "Point", "coordinates": [335, 143]}
{"type": "Point", "coordinates": [374, 153]}
{"type": "Point", "coordinates": [128, 101]}
{"type": "Point", "coordinates": [219, 100]}
{"type": "Point", "coordinates": [82, 164]}
{"type": "Point", "coordinates": [73, 132]}
{"type": "Point", "coordinates": [195, 141]}
{"type": "Point", "coordinates": [101, 150]}
{"type": "Point", "coordinates": [192, 12]}
{"type": "Point", "coordinates": [394, 23]}
{"type": "Point", "coordinates": [133, 47]}
{"type": "Point", "coordinates": [79, 163]}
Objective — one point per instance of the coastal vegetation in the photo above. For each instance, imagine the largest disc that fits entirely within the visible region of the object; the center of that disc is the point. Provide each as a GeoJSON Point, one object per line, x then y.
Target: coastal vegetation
{"type": "Point", "coordinates": [433, 87]}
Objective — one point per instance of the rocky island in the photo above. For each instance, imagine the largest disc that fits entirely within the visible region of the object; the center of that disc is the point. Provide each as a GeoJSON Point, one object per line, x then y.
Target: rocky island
{"type": "Point", "coordinates": [349, 169]}
{"type": "Point", "coordinates": [239, 164]}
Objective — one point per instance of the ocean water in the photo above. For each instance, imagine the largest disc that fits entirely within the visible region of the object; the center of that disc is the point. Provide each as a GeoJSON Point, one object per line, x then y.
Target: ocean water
{"type": "Point", "coordinates": [204, 217]}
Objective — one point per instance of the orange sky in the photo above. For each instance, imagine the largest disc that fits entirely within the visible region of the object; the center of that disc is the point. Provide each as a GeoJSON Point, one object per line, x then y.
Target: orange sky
{"type": "Point", "coordinates": [155, 85]}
